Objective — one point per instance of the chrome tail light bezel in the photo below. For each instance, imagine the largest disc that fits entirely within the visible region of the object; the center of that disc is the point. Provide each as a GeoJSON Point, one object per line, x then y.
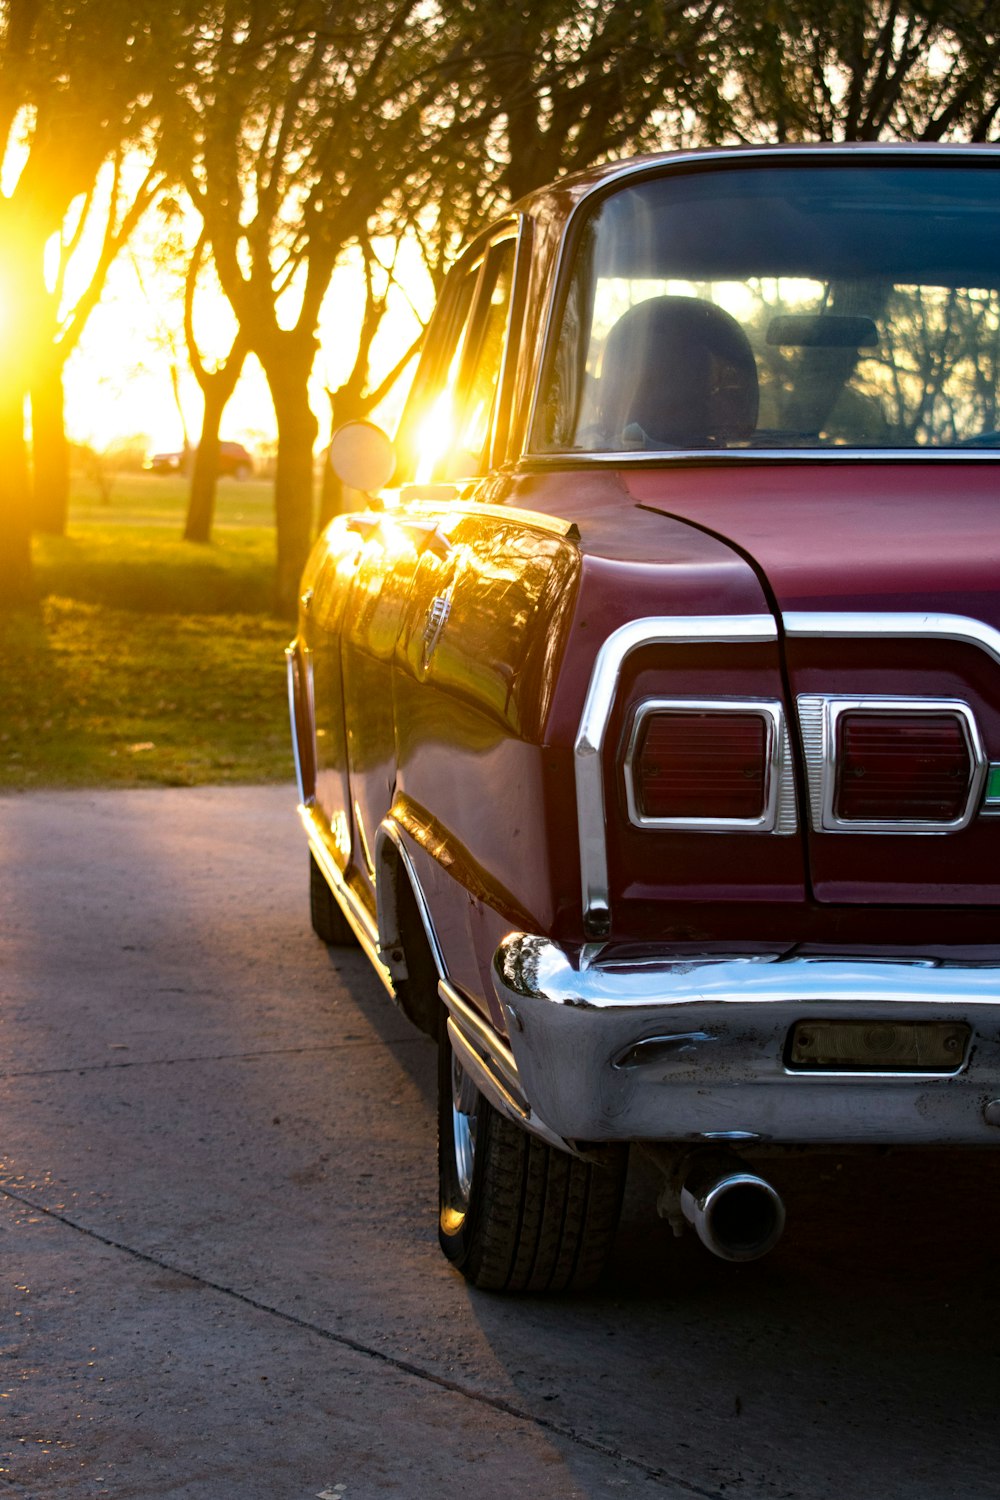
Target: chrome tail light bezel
{"type": "Point", "coordinates": [819, 715]}
{"type": "Point", "coordinates": [778, 812]}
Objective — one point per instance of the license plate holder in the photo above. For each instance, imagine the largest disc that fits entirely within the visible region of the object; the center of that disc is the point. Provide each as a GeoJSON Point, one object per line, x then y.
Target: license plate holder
{"type": "Point", "coordinates": [877, 1046]}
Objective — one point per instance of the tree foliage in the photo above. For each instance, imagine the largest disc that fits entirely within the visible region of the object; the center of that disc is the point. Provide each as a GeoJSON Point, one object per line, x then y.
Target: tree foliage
{"type": "Point", "coordinates": [290, 126]}
{"type": "Point", "coordinates": [842, 70]}
{"type": "Point", "coordinates": [578, 83]}
{"type": "Point", "coordinates": [116, 206]}
{"type": "Point", "coordinates": [74, 88]}
{"type": "Point", "coordinates": [303, 129]}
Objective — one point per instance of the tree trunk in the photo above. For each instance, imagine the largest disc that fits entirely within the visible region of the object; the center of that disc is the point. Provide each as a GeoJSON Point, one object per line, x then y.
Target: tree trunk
{"type": "Point", "coordinates": [16, 578]}
{"type": "Point", "coordinates": [287, 362]}
{"type": "Point", "coordinates": [205, 474]}
{"type": "Point", "coordinates": [50, 449]}
{"type": "Point", "coordinates": [293, 495]}
{"type": "Point", "coordinates": [21, 249]}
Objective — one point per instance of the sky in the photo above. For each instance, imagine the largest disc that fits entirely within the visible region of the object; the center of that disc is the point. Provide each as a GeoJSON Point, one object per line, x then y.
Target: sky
{"type": "Point", "coordinates": [118, 381]}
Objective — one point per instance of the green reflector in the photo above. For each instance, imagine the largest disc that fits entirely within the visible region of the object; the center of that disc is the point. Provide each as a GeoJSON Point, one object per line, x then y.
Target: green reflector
{"type": "Point", "coordinates": [993, 784]}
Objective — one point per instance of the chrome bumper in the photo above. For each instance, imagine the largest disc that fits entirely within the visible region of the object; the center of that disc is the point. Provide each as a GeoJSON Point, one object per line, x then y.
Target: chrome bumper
{"type": "Point", "coordinates": [654, 1047]}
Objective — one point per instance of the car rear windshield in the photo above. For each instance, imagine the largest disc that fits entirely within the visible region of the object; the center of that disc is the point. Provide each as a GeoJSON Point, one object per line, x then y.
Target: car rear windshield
{"type": "Point", "coordinates": [782, 307]}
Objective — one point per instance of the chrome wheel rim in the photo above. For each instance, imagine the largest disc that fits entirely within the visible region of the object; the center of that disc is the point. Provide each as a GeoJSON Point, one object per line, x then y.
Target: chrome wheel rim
{"type": "Point", "coordinates": [463, 1124]}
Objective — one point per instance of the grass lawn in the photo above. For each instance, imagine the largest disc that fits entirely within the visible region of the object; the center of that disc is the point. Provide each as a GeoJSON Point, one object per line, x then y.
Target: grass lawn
{"type": "Point", "coordinates": [150, 661]}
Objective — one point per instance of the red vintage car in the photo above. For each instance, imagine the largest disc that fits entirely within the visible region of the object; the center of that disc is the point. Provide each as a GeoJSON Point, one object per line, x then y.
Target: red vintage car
{"type": "Point", "coordinates": [648, 727]}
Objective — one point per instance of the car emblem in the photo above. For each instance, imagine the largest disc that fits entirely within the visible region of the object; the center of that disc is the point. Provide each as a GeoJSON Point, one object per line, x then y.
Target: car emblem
{"type": "Point", "coordinates": [437, 615]}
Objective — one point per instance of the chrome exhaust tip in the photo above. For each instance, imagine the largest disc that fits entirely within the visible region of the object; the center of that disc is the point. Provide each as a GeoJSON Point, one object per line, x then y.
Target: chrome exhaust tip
{"type": "Point", "coordinates": [735, 1213]}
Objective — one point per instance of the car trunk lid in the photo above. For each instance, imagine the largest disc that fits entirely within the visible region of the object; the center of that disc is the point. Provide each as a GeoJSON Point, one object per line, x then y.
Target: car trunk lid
{"type": "Point", "coordinates": [884, 577]}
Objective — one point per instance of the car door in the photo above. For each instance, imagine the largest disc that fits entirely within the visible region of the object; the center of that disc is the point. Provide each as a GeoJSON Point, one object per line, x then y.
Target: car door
{"type": "Point", "coordinates": [459, 386]}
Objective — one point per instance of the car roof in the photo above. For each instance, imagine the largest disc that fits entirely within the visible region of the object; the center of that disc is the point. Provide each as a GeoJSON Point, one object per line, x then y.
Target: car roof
{"type": "Point", "coordinates": [558, 199]}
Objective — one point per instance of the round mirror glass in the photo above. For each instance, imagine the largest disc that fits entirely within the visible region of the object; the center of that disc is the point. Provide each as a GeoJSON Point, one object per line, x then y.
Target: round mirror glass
{"type": "Point", "coordinates": [362, 456]}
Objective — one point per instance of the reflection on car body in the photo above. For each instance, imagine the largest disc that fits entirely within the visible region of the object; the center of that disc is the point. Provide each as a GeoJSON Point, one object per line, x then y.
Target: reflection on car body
{"type": "Point", "coordinates": [648, 729]}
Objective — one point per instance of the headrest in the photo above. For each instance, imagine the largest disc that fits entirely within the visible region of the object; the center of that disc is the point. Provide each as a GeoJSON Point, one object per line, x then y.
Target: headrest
{"type": "Point", "coordinates": [679, 373]}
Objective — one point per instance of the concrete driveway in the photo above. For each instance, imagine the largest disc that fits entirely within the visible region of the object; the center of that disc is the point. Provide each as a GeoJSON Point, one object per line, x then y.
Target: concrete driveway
{"type": "Point", "coordinates": [220, 1275]}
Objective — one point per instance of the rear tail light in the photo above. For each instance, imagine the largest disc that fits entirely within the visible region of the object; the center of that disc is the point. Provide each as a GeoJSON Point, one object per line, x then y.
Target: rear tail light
{"type": "Point", "coordinates": [911, 767]}
{"type": "Point", "coordinates": [892, 765]}
{"type": "Point", "coordinates": [695, 765]}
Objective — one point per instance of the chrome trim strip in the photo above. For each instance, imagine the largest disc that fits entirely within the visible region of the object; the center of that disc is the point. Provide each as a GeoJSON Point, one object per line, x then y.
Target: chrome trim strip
{"type": "Point", "coordinates": [366, 853]}
{"type": "Point", "coordinates": [787, 820]}
{"type": "Point", "coordinates": [812, 734]}
{"type": "Point", "coordinates": [589, 743]}
{"type": "Point", "coordinates": [490, 1063]}
{"type": "Point", "coordinates": [684, 457]}
{"type": "Point", "coordinates": [822, 151]}
{"type": "Point", "coordinates": [480, 1034]}
{"type": "Point", "coordinates": [818, 716]}
{"type": "Point", "coordinates": [509, 513]}
{"type": "Point", "coordinates": [290, 675]}
{"type": "Point", "coordinates": [292, 659]}
{"type": "Point", "coordinates": [500, 423]}
{"type": "Point", "coordinates": [778, 769]}
{"type": "Point", "coordinates": [354, 909]}
{"type": "Point", "coordinates": [964, 628]}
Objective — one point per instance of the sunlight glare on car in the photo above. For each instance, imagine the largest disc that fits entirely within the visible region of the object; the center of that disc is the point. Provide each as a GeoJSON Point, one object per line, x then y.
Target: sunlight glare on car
{"type": "Point", "coordinates": [437, 435]}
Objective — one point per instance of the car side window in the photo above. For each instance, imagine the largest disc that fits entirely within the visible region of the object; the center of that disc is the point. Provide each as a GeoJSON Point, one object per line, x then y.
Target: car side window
{"type": "Point", "coordinates": [455, 429]}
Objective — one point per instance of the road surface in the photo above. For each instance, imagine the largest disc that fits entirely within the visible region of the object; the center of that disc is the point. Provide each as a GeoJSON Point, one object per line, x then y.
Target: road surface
{"type": "Point", "coordinates": [220, 1275]}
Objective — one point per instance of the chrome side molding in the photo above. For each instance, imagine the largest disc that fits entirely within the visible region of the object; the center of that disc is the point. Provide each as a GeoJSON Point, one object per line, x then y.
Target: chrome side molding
{"type": "Point", "coordinates": [302, 715]}
{"type": "Point", "coordinates": [350, 904]}
{"type": "Point", "coordinates": [597, 708]}
{"type": "Point", "coordinates": [489, 1062]}
{"type": "Point", "coordinates": [850, 626]}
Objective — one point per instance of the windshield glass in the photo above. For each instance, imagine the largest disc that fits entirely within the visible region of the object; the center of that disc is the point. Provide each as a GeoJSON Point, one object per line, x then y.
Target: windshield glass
{"type": "Point", "coordinates": [783, 306]}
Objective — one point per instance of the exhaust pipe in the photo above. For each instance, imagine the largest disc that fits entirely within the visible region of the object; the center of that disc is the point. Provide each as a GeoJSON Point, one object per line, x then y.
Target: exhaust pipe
{"type": "Point", "coordinates": [735, 1213]}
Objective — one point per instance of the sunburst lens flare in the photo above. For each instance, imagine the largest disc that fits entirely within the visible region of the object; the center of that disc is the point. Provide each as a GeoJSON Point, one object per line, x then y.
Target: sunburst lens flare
{"type": "Point", "coordinates": [436, 436]}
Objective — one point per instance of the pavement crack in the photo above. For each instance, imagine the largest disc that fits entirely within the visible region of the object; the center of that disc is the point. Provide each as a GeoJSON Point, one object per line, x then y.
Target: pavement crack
{"type": "Point", "coordinates": [391, 1361]}
{"type": "Point", "coordinates": [79, 1069]}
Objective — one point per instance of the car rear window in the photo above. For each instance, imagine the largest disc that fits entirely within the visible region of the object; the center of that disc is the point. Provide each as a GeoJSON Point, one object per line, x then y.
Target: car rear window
{"type": "Point", "coordinates": [784, 306]}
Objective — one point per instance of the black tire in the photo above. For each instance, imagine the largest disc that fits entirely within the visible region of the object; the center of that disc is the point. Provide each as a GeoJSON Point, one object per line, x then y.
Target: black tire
{"type": "Point", "coordinates": [517, 1215]}
{"type": "Point", "coordinates": [329, 922]}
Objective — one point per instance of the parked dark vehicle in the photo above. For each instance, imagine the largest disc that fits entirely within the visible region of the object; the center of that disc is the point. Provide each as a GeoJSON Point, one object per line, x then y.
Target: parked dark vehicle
{"type": "Point", "coordinates": [648, 728]}
{"type": "Point", "coordinates": [235, 462]}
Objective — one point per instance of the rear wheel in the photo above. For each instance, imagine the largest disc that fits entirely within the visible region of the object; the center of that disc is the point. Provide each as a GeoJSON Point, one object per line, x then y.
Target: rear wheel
{"type": "Point", "coordinates": [329, 922]}
{"type": "Point", "coordinates": [517, 1215]}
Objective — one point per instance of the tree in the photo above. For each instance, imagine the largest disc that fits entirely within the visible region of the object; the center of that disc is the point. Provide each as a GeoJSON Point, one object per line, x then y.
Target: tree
{"type": "Point", "coordinates": [560, 86]}
{"type": "Point", "coordinates": [852, 70]}
{"type": "Point", "coordinates": [74, 77]}
{"type": "Point", "coordinates": [574, 84]}
{"type": "Point", "coordinates": [121, 209]}
{"type": "Point", "coordinates": [358, 395]}
{"type": "Point", "coordinates": [307, 119]}
{"type": "Point", "coordinates": [291, 126]}
{"type": "Point", "coordinates": [217, 385]}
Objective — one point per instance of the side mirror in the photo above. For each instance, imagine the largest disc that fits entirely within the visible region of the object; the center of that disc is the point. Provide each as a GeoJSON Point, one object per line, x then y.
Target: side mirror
{"type": "Point", "coordinates": [362, 457]}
